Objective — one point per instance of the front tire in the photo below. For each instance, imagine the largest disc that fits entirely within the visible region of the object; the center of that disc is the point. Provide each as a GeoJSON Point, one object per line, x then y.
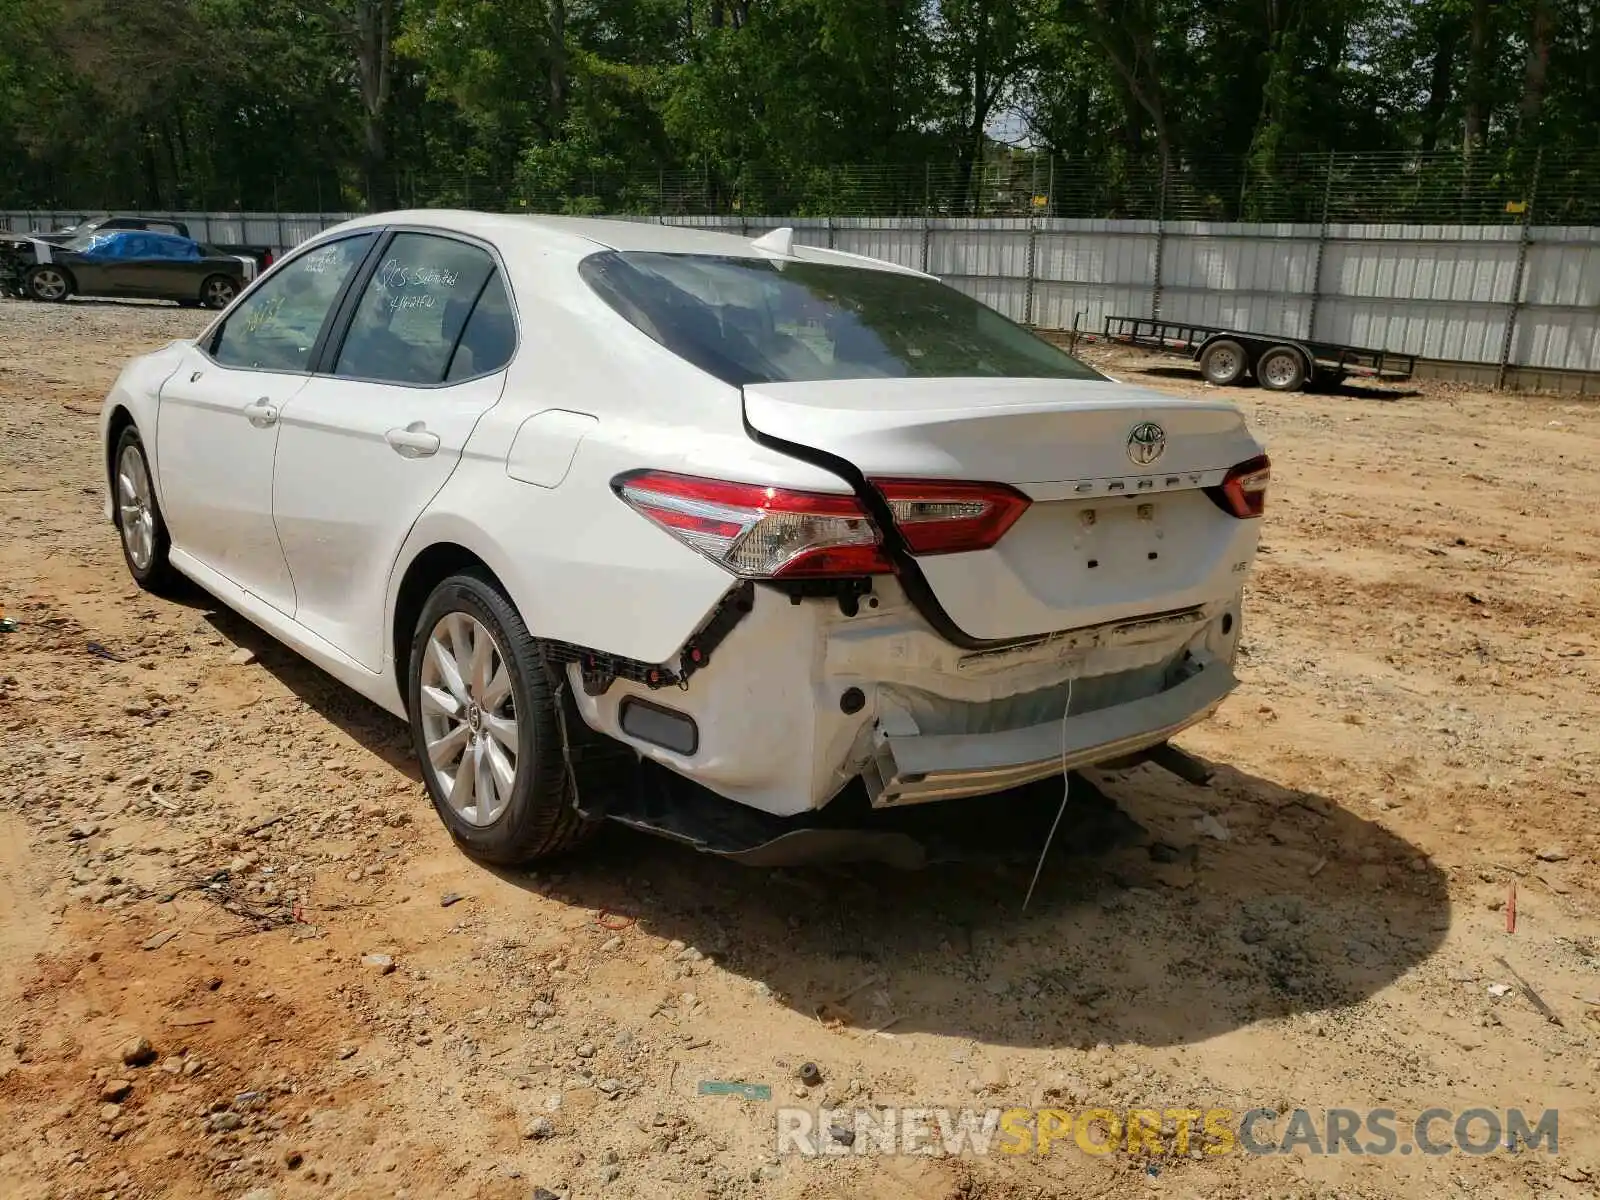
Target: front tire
{"type": "Point", "coordinates": [48, 283]}
{"type": "Point", "coordinates": [137, 515]}
{"type": "Point", "coordinates": [486, 727]}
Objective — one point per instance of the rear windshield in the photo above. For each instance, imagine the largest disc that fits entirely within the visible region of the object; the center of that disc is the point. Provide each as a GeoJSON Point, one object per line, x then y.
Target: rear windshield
{"type": "Point", "coordinates": [753, 320]}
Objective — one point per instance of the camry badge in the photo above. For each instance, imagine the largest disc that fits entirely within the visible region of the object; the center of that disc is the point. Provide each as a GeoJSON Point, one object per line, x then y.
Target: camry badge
{"type": "Point", "coordinates": [1147, 443]}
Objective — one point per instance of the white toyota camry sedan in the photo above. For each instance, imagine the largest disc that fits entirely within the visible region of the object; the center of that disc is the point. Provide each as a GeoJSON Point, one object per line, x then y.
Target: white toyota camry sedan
{"type": "Point", "coordinates": [788, 522]}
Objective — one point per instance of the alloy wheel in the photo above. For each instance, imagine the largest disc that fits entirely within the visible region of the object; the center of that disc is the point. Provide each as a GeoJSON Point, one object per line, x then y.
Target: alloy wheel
{"type": "Point", "coordinates": [49, 284]}
{"type": "Point", "coordinates": [218, 293]}
{"type": "Point", "coordinates": [136, 508]}
{"type": "Point", "coordinates": [469, 720]}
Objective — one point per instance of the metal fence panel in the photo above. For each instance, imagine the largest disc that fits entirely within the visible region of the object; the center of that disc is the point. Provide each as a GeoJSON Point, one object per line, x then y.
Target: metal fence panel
{"type": "Point", "coordinates": [298, 227]}
{"type": "Point", "coordinates": [1563, 267]}
{"type": "Point", "coordinates": [896, 241]}
{"type": "Point", "coordinates": [1564, 339]}
{"type": "Point", "coordinates": [1095, 258]}
{"type": "Point", "coordinates": [1437, 290]}
{"type": "Point", "coordinates": [978, 252]}
{"type": "Point", "coordinates": [1420, 270]}
{"type": "Point", "coordinates": [1270, 314]}
{"type": "Point", "coordinates": [1423, 233]}
{"type": "Point", "coordinates": [1239, 262]}
{"type": "Point", "coordinates": [1467, 333]}
{"type": "Point", "coordinates": [1006, 296]}
{"type": "Point", "coordinates": [1057, 305]}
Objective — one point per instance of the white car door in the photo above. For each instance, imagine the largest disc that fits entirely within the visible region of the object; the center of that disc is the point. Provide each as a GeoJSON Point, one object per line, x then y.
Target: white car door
{"type": "Point", "coordinates": [365, 446]}
{"type": "Point", "coordinates": [217, 432]}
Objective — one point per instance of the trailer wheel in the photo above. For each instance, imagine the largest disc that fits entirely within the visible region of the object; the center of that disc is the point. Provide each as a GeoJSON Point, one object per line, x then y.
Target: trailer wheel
{"type": "Point", "coordinates": [1281, 369]}
{"type": "Point", "coordinates": [1222, 362]}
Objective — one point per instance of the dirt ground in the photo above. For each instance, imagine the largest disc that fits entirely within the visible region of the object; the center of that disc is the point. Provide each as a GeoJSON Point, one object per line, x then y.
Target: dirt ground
{"type": "Point", "coordinates": [210, 853]}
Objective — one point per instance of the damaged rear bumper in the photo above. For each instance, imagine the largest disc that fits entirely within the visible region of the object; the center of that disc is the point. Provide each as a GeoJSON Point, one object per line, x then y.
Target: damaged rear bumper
{"type": "Point", "coordinates": [915, 768]}
{"type": "Point", "coordinates": [802, 699]}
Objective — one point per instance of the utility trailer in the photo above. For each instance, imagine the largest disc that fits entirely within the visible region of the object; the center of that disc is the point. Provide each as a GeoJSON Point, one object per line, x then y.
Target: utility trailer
{"type": "Point", "coordinates": [1283, 364]}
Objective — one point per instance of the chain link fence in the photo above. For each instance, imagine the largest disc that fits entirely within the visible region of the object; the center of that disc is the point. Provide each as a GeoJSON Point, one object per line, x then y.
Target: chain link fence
{"type": "Point", "coordinates": [1499, 186]}
{"type": "Point", "coordinates": [1490, 263]}
{"type": "Point", "coordinates": [1368, 187]}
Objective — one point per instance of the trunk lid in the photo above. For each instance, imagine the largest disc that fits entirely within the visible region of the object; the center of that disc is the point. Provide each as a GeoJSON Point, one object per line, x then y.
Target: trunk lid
{"type": "Point", "coordinates": [1116, 528]}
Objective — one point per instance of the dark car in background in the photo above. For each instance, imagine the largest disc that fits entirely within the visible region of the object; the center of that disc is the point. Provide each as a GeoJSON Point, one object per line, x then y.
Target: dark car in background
{"type": "Point", "coordinates": [262, 254]}
{"type": "Point", "coordinates": [130, 263]}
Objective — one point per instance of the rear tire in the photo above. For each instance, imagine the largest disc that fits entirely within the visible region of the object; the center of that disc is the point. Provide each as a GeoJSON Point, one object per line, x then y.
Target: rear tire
{"type": "Point", "coordinates": [486, 727]}
{"type": "Point", "coordinates": [1281, 369]}
{"type": "Point", "coordinates": [48, 283]}
{"type": "Point", "coordinates": [137, 516]}
{"type": "Point", "coordinates": [1223, 362]}
{"type": "Point", "coordinates": [218, 291]}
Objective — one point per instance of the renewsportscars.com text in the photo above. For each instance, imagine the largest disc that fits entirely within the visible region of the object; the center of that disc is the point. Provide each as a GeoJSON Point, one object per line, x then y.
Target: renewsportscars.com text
{"type": "Point", "coordinates": [1181, 1131]}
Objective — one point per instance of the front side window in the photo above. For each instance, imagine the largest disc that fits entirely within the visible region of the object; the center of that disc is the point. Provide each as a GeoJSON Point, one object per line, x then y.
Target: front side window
{"type": "Point", "coordinates": [756, 320]}
{"type": "Point", "coordinates": [276, 327]}
{"type": "Point", "coordinates": [413, 310]}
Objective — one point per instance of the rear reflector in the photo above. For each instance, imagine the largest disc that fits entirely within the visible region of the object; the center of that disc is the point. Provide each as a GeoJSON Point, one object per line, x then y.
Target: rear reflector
{"type": "Point", "coordinates": [1244, 491]}
{"type": "Point", "coordinates": [936, 516]}
{"type": "Point", "coordinates": [659, 725]}
{"type": "Point", "coordinates": [759, 532]}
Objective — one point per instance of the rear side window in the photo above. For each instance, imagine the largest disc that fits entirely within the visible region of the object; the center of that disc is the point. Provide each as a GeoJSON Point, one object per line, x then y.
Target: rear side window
{"type": "Point", "coordinates": [414, 309]}
{"type": "Point", "coordinates": [755, 320]}
{"type": "Point", "coordinates": [170, 247]}
{"type": "Point", "coordinates": [276, 327]}
{"type": "Point", "coordinates": [490, 336]}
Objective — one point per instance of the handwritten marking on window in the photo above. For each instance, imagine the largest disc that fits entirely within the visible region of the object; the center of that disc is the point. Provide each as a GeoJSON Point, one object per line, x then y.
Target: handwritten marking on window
{"type": "Point", "coordinates": [263, 314]}
{"type": "Point", "coordinates": [403, 302]}
{"type": "Point", "coordinates": [394, 276]}
{"type": "Point", "coordinates": [330, 258]}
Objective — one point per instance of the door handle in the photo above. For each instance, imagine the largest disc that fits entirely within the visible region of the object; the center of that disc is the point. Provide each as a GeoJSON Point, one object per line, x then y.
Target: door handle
{"type": "Point", "coordinates": [414, 441]}
{"type": "Point", "coordinates": [263, 414]}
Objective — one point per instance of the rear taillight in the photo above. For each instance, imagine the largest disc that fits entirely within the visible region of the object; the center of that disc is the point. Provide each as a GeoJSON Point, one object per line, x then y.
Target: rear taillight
{"type": "Point", "coordinates": [1244, 490]}
{"type": "Point", "coordinates": [759, 532]}
{"type": "Point", "coordinates": [936, 516]}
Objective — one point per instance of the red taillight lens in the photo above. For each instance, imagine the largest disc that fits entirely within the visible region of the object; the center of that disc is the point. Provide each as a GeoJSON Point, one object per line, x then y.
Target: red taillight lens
{"type": "Point", "coordinates": [268, 259]}
{"type": "Point", "coordinates": [759, 532]}
{"type": "Point", "coordinates": [1244, 490]}
{"type": "Point", "coordinates": [935, 516]}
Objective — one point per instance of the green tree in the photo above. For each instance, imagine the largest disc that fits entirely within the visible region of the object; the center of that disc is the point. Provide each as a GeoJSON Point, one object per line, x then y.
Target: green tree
{"type": "Point", "coordinates": [1224, 107]}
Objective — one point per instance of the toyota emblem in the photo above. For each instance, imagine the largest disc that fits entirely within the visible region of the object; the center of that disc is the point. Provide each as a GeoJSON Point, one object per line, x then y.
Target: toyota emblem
{"type": "Point", "coordinates": [1147, 443]}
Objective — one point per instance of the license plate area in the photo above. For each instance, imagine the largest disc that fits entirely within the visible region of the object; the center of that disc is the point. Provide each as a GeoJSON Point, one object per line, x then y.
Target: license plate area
{"type": "Point", "coordinates": [1115, 535]}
